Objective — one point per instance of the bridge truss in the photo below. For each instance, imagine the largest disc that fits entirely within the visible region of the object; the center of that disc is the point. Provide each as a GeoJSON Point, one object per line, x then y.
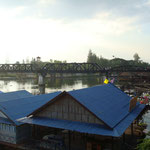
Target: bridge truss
{"type": "Point", "coordinates": [68, 68]}
{"type": "Point", "coordinates": [52, 68]}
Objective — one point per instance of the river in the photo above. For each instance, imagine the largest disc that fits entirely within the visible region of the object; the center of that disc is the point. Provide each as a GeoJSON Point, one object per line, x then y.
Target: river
{"type": "Point", "coordinates": [52, 85]}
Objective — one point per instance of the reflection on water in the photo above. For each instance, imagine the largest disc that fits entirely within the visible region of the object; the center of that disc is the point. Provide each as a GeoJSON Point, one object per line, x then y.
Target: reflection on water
{"type": "Point", "coordinates": [14, 85]}
{"type": "Point", "coordinates": [52, 85]}
{"type": "Point", "coordinates": [72, 83]}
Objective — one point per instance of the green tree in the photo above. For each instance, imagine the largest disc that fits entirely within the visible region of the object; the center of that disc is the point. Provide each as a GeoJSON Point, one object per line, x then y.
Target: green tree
{"type": "Point", "coordinates": [103, 62]}
{"type": "Point", "coordinates": [92, 58]}
{"type": "Point", "coordinates": [136, 57]}
{"type": "Point", "coordinates": [17, 62]}
{"type": "Point", "coordinates": [118, 62]}
{"type": "Point", "coordinates": [23, 62]}
{"type": "Point", "coordinates": [145, 145]}
{"type": "Point", "coordinates": [51, 60]}
{"type": "Point", "coordinates": [90, 55]}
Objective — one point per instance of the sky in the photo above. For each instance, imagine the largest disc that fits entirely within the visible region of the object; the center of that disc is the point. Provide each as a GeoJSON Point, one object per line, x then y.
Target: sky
{"type": "Point", "coordinates": [68, 29]}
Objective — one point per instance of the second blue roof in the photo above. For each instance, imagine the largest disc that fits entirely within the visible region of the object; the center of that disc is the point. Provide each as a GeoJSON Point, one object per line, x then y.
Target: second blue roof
{"type": "Point", "coordinates": [14, 95]}
{"type": "Point", "coordinates": [22, 107]}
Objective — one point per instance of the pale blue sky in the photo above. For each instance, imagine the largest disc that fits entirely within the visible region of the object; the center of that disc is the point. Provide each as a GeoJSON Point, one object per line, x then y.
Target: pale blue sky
{"type": "Point", "coordinates": [67, 29]}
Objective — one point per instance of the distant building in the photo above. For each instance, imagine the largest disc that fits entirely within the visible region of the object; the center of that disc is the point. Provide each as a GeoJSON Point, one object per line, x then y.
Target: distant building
{"type": "Point", "coordinates": [38, 59]}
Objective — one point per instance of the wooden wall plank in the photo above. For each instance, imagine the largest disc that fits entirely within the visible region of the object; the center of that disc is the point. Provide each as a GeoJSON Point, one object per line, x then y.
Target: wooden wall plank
{"type": "Point", "coordinates": [67, 108]}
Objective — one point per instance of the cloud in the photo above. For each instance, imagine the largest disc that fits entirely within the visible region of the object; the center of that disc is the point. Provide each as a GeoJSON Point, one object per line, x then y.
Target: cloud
{"type": "Point", "coordinates": [50, 37]}
{"type": "Point", "coordinates": [16, 3]}
{"type": "Point", "coordinates": [6, 13]}
{"type": "Point", "coordinates": [80, 9]}
{"type": "Point", "coordinates": [46, 3]}
{"type": "Point", "coordinates": [106, 24]}
{"type": "Point", "coordinates": [64, 29]}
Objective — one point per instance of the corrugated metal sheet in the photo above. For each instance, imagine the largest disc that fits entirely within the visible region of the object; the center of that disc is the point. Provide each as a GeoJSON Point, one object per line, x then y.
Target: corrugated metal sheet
{"type": "Point", "coordinates": [6, 121]}
{"type": "Point", "coordinates": [126, 122]}
{"type": "Point", "coordinates": [22, 107]}
{"type": "Point", "coordinates": [87, 127]}
{"type": "Point", "coordinates": [14, 95]}
{"type": "Point", "coordinates": [70, 125]}
{"type": "Point", "coordinates": [107, 102]}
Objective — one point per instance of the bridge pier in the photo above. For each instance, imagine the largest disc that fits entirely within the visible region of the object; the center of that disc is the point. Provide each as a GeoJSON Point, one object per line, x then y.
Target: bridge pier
{"type": "Point", "coordinates": [41, 79]}
{"type": "Point", "coordinates": [41, 83]}
{"type": "Point", "coordinates": [42, 89]}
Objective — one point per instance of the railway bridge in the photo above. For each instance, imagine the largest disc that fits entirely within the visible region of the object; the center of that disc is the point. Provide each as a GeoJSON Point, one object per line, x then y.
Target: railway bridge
{"type": "Point", "coordinates": [69, 68]}
{"type": "Point", "coordinates": [51, 68]}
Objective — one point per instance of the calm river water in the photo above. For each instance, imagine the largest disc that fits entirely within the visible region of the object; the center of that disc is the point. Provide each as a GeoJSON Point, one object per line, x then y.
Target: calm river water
{"type": "Point", "coordinates": [52, 85]}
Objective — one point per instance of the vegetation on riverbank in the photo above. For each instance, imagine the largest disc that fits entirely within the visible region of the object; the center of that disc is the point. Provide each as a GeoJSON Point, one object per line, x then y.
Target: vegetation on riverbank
{"type": "Point", "coordinates": [91, 58]}
{"type": "Point", "coordinates": [104, 62]}
{"type": "Point", "coordinates": [145, 145]}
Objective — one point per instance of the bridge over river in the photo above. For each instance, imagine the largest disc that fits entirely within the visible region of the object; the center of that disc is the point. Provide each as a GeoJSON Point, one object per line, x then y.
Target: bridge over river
{"type": "Point", "coordinates": [68, 68]}
{"type": "Point", "coordinates": [52, 68]}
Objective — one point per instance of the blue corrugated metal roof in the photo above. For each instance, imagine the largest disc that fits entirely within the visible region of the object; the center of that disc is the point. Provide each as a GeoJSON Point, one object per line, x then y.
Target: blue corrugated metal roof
{"type": "Point", "coordinates": [107, 102]}
{"type": "Point", "coordinates": [6, 121]}
{"type": "Point", "coordinates": [1, 92]}
{"type": "Point", "coordinates": [125, 123]}
{"type": "Point", "coordinates": [70, 125]}
{"type": "Point", "coordinates": [22, 107]}
{"type": "Point", "coordinates": [90, 128]}
{"type": "Point", "coordinates": [14, 95]}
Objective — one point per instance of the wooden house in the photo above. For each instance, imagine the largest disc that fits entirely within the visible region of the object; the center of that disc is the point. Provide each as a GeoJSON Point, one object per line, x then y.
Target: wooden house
{"type": "Point", "coordinates": [85, 118]}
{"type": "Point", "coordinates": [15, 105]}
{"type": "Point", "coordinates": [8, 132]}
